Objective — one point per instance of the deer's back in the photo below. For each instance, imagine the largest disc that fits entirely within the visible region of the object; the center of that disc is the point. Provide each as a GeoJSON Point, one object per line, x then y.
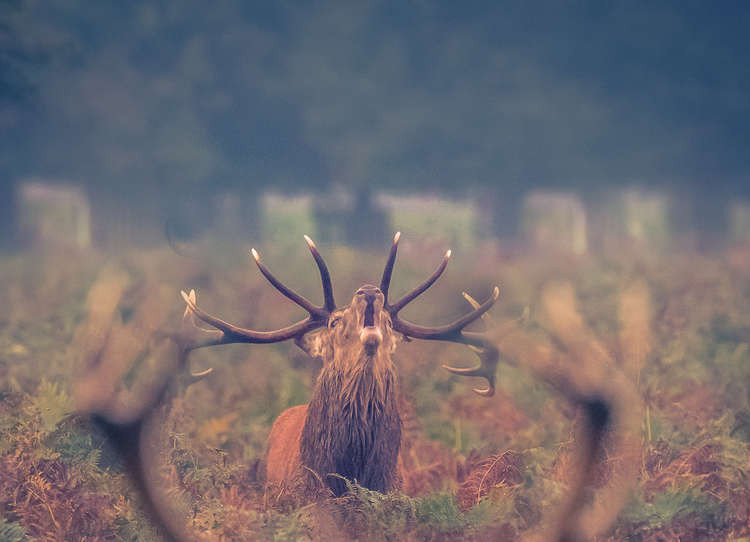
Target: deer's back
{"type": "Point", "coordinates": [282, 448]}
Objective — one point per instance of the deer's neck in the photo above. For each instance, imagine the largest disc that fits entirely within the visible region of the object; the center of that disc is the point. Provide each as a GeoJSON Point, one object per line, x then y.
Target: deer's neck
{"type": "Point", "coordinates": [353, 427]}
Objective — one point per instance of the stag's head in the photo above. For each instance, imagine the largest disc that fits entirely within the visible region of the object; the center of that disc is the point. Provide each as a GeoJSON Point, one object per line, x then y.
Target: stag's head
{"type": "Point", "coordinates": [360, 335]}
{"type": "Point", "coordinates": [360, 331]}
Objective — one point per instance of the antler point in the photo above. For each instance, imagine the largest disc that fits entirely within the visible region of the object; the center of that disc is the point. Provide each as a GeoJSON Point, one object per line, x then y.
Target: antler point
{"type": "Point", "coordinates": [255, 255]}
{"type": "Point", "coordinates": [396, 237]}
{"type": "Point", "coordinates": [495, 293]}
{"type": "Point", "coordinates": [486, 392]}
{"type": "Point", "coordinates": [310, 242]}
{"type": "Point", "coordinates": [448, 254]}
{"type": "Point", "coordinates": [473, 302]}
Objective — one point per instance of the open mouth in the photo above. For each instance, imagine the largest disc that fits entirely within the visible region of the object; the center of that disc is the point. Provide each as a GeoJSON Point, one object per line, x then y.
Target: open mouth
{"type": "Point", "coordinates": [369, 314]}
{"type": "Point", "coordinates": [370, 335]}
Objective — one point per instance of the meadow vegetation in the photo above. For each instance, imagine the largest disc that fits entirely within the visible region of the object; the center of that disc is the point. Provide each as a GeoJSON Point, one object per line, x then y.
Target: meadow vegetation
{"type": "Point", "coordinates": [677, 324]}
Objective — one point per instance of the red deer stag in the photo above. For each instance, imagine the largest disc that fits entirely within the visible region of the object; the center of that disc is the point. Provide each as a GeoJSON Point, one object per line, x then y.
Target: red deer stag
{"type": "Point", "coordinates": [352, 425]}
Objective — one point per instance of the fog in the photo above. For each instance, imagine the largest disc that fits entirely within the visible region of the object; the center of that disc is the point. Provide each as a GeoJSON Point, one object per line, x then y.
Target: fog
{"type": "Point", "coordinates": [159, 107]}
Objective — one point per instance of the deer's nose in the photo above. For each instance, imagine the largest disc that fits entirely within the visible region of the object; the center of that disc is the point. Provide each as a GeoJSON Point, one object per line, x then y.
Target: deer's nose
{"type": "Point", "coordinates": [371, 338]}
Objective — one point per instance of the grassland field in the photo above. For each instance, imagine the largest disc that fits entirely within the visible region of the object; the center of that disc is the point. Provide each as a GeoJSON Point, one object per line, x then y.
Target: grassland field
{"type": "Point", "coordinates": [676, 322]}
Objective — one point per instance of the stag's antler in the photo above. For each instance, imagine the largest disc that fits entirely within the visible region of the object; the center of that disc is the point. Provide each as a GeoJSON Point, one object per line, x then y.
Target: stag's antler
{"type": "Point", "coordinates": [453, 332]}
{"type": "Point", "coordinates": [226, 333]}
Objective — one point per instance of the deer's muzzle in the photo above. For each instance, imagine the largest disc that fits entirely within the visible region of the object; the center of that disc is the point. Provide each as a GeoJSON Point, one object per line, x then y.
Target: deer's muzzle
{"type": "Point", "coordinates": [370, 334]}
{"type": "Point", "coordinates": [371, 338]}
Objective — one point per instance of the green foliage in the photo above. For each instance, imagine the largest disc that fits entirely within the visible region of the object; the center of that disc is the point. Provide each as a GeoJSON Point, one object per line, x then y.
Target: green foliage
{"type": "Point", "coordinates": [671, 505]}
{"type": "Point", "coordinates": [292, 527]}
{"type": "Point", "coordinates": [12, 532]}
{"type": "Point", "coordinates": [52, 404]}
{"type": "Point", "coordinates": [440, 513]}
{"type": "Point", "coordinates": [386, 514]}
{"type": "Point", "coordinates": [371, 515]}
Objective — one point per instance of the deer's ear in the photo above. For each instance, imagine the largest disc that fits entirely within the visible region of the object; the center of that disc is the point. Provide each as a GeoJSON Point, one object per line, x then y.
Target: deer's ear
{"type": "Point", "coordinates": [314, 344]}
{"type": "Point", "coordinates": [397, 339]}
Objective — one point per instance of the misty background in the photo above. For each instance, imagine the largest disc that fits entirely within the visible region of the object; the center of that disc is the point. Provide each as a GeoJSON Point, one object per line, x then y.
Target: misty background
{"type": "Point", "coordinates": [203, 118]}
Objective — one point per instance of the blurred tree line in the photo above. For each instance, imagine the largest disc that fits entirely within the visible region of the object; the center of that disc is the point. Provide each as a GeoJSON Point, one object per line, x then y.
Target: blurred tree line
{"type": "Point", "coordinates": [158, 107]}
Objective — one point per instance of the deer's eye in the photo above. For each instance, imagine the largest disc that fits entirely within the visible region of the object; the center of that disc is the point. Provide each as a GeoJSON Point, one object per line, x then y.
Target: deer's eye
{"type": "Point", "coordinates": [334, 322]}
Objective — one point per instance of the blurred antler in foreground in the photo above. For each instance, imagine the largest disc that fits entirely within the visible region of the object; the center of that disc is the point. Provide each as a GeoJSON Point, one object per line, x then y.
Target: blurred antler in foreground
{"type": "Point", "coordinates": [635, 328]}
{"type": "Point", "coordinates": [131, 418]}
{"type": "Point", "coordinates": [579, 368]}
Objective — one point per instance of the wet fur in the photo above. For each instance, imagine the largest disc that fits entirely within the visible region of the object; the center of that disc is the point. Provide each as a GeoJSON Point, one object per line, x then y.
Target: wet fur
{"type": "Point", "coordinates": [353, 428]}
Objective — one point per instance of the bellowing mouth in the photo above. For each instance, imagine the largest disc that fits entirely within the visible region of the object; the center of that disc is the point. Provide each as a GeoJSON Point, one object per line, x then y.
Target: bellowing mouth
{"type": "Point", "coordinates": [369, 314]}
{"type": "Point", "coordinates": [370, 334]}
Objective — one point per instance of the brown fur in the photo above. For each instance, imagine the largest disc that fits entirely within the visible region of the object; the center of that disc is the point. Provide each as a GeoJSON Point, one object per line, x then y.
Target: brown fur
{"type": "Point", "coordinates": [283, 444]}
{"type": "Point", "coordinates": [351, 427]}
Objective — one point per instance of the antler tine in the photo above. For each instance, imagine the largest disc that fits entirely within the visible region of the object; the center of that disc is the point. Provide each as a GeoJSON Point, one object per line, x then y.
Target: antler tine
{"type": "Point", "coordinates": [489, 356]}
{"type": "Point", "coordinates": [188, 340]}
{"type": "Point", "coordinates": [328, 304]}
{"type": "Point", "coordinates": [447, 332]}
{"type": "Point", "coordinates": [226, 333]}
{"type": "Point", "coordinates": [454, 332]}
{"type": "Point", "coordinates": [419, 290]}
{"type": "Point", "coordinates": [385, 282]}
{"type": "Point", "coordinates": [193, 378]}
{"type": "Point", "coordinates": [288, 292]}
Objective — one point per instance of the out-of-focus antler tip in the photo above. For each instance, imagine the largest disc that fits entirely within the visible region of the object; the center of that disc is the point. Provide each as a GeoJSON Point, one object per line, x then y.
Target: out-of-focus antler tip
{"type": "Point", "coordinates": [192, 296]}
{"type": "Point", "coordinates": [525, 315]}
{"type": "Point", "coordinates": [185, 296]}
{"type": "Point", "coordinates": [397, 237]}
{"type": "Point", "coordinates": [448, 254]}
{"type": "Point", "coordinates": [487, 392]}
{"type": "Point", "coordinates": [202, 373]}
{"type": "Point", "coordinates": [309, 241]}
{"type": "Point", "coordinates": [496, 293]}
{"type": "Point", "coordinates": [255, 255]}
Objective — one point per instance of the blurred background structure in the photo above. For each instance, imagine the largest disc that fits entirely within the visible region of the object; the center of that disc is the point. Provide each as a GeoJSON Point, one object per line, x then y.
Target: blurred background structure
{"type": "Point", "coordinates": [244, 120]}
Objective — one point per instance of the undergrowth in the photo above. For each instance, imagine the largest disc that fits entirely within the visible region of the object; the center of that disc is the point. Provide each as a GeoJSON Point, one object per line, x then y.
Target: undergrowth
{"type": "Point", "coordinates": [475, 468]}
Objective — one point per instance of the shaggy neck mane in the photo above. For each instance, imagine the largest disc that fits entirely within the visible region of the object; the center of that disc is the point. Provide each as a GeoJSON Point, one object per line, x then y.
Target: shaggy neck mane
{"type": "Point", "coordinates": [353, 427]}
